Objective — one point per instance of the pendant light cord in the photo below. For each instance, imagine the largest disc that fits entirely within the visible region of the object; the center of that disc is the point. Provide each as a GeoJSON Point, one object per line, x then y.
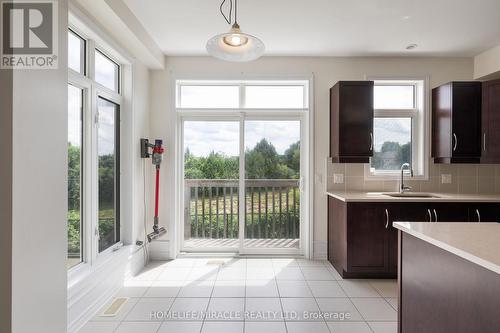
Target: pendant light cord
{"type": "Point", "coordinates": [228, 20]}
{"type": "Point", "coordinates": [235, 12]}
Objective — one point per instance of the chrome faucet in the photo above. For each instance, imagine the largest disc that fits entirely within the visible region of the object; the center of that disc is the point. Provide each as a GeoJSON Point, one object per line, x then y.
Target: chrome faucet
{"type": "Point", "coordinates": [402, 187]}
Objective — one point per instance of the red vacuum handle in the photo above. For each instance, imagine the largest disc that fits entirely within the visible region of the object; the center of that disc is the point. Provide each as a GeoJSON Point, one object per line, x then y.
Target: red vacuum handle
{"type": "Point", "coordinates": [157, 190]}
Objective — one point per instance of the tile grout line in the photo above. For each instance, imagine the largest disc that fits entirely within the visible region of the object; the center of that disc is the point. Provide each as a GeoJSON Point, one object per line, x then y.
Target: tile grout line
{"type": "Point", "coordinates": [209, 300]}
{"type": "Point", "coordinates": [315, 300]}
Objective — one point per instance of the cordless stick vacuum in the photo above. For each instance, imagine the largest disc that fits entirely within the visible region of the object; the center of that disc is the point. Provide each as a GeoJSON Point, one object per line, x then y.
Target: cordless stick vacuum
{"type": "Point", "coordinates": [156, 155]}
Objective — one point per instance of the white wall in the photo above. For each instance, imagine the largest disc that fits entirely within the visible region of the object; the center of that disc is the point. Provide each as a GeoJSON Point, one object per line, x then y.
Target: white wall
{"type": "Point", "coordinates": [5, 198]}
{"type": "Point", "coordinates": [40, 194]}
{"type": "Point", "coordinates": [326, 71]}
{"type": "Point", "coordinates": [487, 64]}
{"type": "Point", "coordinates": [141, 90]}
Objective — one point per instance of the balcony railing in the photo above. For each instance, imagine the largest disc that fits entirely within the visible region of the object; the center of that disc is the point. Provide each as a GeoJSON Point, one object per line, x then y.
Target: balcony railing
{"type": "Point", "coordinates": [272, 208]}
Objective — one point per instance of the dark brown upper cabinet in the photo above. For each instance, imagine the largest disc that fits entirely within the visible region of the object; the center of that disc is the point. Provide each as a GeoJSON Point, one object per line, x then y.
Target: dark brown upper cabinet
{"type": "Point", "coordinates": [456, 123]}
{"type": "Point", "coordinates": [491, 122]}
{"type": "Point", "coordinates": [351, 121]}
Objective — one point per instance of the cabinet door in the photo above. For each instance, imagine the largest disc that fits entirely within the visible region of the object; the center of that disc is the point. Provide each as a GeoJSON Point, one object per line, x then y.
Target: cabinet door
{"type": "Point", "coordinates": [441, 121]}
{"type": "Point", "coordinates": [466, 119]}
{"type": "Point", "coordinates": [483, 212]}
{"type": "Point", "coordinates": [491, 122]}
{"type": "Point", "coordinates": [413, 212]}
{"type": "Point", "coordinates": [404, 212]}
{"type": "Point", "coordinates": [450, 212]}
{"type": "Point", "coordinates": [367, 237]}
{"type": "Point", "coordinates": [356, 119]}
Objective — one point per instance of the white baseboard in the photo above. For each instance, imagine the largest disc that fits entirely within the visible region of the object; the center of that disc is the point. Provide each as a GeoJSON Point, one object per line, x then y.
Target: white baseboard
{"type": "Point", "coordinates": [159, 250]}
{"type": "Point", "coordinates": [320, 250]}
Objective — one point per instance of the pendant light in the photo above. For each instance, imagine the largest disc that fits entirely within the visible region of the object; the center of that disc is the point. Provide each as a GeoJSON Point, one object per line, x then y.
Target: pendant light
{"type": "Point", "coordinates": [234, 45]}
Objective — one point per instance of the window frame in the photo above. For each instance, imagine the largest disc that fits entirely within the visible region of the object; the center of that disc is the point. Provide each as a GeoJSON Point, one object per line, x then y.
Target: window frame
{"type": "Point", "coordinates": [117, 168]}
{"type": "Point", "coordinates": [306, 115]}
{"type": "Point", "coordinates": [82, 178]}
{"type": "Point", "coordinates": [92, 90]}
{"type": "Point", "coordinates": [419, 127]}
{"type": "Point", "coordinates": [83, 52]}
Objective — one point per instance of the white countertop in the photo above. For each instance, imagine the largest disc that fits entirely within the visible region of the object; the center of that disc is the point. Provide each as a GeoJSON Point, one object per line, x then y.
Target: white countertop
{"type": "Point", "coordinates": [352, 196]}
{"type": "Point", "coordinates": [476, 242]}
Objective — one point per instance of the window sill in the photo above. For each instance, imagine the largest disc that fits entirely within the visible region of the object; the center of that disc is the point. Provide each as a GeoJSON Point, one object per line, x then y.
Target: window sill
{"type": "Point", "coordinates": [393, 176]}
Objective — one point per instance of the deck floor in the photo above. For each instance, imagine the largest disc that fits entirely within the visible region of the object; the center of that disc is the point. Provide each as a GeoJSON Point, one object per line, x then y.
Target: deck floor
{"type": "Point", "coordinates": [286, 243]}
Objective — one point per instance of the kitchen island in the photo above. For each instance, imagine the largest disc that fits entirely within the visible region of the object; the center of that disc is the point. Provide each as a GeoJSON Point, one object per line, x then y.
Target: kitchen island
{"type": "Point", "coordinates": [448, 277]}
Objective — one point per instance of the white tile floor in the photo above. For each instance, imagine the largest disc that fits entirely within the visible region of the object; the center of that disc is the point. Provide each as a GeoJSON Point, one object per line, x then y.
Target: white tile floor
{"type": "Point", "coordinates": [250, 295]}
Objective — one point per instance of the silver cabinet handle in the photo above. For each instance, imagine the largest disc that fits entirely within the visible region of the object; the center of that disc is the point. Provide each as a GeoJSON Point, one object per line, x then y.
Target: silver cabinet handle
{"type": "Point", "coordinates": [435, 215]}
{"type": "Point", "coordinates": [484, 141]}
{"type": "Point", "coordinates": [456, 142]}
{"type": "Point", "coordinates": [430, 215]}
{"type": "Point", "coordinates": [478, 215]}
{"type": "Point", "coordinates": [371, 141]}
{"type": "Point", "coordinates": [386, 218]}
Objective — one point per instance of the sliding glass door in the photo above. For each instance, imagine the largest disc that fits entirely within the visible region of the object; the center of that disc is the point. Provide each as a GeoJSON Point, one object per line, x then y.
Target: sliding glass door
{"type": "Point", "coordinates": [241, 188]}
{"type": "Point", "coordinates": [272, 179]}
{"type": "Point", "coordinates": [211, 185]}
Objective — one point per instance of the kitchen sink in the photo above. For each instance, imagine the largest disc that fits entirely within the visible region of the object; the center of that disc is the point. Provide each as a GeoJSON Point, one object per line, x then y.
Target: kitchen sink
{"type": "Point", "coordinates": [412, 195]}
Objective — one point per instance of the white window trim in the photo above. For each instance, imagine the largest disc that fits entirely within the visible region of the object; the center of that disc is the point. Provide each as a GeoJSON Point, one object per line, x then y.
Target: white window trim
{"type": "Point", "coordinates": [91, 258]}
{"type": "Point", "coordinates": [306, 115]}
{"type": "Point", "coordinates": [420, 128]}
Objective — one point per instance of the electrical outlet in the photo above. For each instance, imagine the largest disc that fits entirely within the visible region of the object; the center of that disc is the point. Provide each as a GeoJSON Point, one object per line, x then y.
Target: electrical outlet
{"type": "Point", "coordinates": [338, 178]}
{"type": "Point", "coordinates": [446, 178]}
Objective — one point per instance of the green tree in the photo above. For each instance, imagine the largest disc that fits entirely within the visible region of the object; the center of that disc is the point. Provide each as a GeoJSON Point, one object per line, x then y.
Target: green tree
{"type": "Point", "coordinates": [192, 166]}
{"type": "Point", "coordinates": [405, 153]}
{"type": "Point", "coordinates": [263, 161]}
{"type": "Point", "coordinates": [106, 180]}
{"type": "Point", "coordinates": [292, 159]}
{"type": "Point", "coordinates": [74, 177]}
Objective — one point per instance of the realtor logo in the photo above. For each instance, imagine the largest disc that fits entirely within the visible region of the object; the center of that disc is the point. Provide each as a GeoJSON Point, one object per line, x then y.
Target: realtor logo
{"type": "Point", "coordinates": [29, 35]}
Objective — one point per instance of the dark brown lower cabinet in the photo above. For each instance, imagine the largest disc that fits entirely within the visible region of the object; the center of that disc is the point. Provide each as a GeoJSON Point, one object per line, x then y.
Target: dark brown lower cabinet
{"type": "Point", "coordinates": [484, 212]}
{"type": "Point", "coordinates": [362, 243]}
{"type": "Point", "coordinates": [361, 239]}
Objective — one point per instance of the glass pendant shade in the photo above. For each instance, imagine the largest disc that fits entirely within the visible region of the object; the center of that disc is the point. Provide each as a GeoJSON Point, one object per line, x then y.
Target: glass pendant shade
{"type": "Point", "coordinates": [235, 46]}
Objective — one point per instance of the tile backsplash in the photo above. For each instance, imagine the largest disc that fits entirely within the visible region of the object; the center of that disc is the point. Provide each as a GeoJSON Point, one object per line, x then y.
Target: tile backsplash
{"type": "Point", "coordinates": [465, 178]}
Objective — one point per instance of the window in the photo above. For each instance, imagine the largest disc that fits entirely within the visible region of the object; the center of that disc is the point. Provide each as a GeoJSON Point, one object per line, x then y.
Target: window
{"type": "Point", "coordinates": [76, 52]}
{"type": "Point", "coordinates": [93, 152]}
{"type": "Point", "coordinates": [75, 108]}
{"type": "Point", "coordinates": [208, 96]}
{"type": "Point", "coordinates": [107, 72]}
{"type": "Point", "coordinates": [286, 97]}
{"type": "Point", "coordinates": [398, 127]}
{"type": "Point", "coordinates": [248, 94]}
{"type": "Point", "coordinates": [108, 160]}
{"type": "Point", "coordinates": [245, 148]}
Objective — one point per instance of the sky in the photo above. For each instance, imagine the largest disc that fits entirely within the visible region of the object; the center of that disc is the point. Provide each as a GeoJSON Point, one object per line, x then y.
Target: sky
{"type": "Point", "coordinates": [202, 137]}
{"type": "Point", "coordinates": [106, 134]}
{"type": "Point", "coordinates": [391, 129]}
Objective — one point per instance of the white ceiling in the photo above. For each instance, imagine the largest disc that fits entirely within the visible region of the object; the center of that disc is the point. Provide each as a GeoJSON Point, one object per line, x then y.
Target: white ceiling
{"type": "Point", "coordinates": [329, 27]}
